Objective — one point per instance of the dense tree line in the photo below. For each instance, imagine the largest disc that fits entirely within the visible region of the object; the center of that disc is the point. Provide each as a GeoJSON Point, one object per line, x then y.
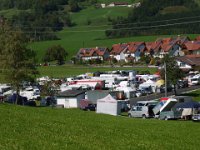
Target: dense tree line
{"type": "Point", "coordinates": [27, 4]}
{"type": "Point", "coordinates": [40, 19]}
{"type": "Point", "coordinates": [149, 19]}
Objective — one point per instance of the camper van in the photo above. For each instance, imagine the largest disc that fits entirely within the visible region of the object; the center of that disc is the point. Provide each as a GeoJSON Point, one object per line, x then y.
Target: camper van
{"type": "Point", "coordinates": [143, 109]}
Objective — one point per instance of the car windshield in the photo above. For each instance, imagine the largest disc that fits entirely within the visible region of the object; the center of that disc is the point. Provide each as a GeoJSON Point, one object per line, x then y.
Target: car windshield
{"type": "Point", "coordinates": [194, 79]}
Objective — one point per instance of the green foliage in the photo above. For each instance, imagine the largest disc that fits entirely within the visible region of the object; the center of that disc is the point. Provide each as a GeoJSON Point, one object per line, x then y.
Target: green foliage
{"type": "Point", "coordinates": [151, 13]}
{"type": "Point", "coordinates": [55, 52]}
{"type": "Point", "coordinates": [73, 4]}
{"type": "Point", "coordinates": [17, 61]}
{"type": "Point", "coordinates": [173, 72]}
{"type": "Point", "coordinates": [145, 59]}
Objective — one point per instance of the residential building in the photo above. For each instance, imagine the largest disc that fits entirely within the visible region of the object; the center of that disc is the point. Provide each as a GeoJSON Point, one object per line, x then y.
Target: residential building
{"type": "Point", "coordinates": [118, 51]}
{"type": "Point", "coordinates": [93, 53]}
{"type": "Point", "coordinates": [135, 50]}
{"type": "Point", "coordinates": [188, 62]}
{"type": "Point", "coordinates": [192, 48]}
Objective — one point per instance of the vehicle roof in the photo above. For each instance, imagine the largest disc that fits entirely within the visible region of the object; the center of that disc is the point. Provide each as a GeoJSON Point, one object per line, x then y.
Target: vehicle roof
{"type": "Point", "coordinates": [145, 102]}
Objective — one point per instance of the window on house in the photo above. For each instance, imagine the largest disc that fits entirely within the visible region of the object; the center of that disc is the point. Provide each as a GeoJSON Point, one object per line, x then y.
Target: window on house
{"type": "Point", "coordinates": [182, 64]}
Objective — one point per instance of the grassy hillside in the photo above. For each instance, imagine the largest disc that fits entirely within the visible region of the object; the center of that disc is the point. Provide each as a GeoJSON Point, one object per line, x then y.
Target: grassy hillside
{"type": "Point", "coordinates": [66, 71]}
{"type": "Point", "coordinates": [174, 9]}
{"type": "Point", "coordinates": [74, 39]}
{"type": "Point", "coordinates": [98, 16]}
{"type": "Point", "coordinates": [47, 128]}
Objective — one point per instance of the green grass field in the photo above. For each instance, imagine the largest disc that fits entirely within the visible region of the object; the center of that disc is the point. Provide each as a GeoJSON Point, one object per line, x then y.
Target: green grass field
{"type": "Point", "coordinates": [72, 41]}
{"type": "Point", "coordinates": [92, 35]}
{"type": "Point", "coordinates": [67, 71]}
{"type": "Point", "coordinates": [70, 70]}
{"type": "Point", "coordinates": [47, 128]}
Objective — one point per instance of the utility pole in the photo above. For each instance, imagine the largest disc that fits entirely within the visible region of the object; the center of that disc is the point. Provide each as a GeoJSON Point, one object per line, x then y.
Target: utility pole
{"type": "Point", "coordinates": [165, 79]}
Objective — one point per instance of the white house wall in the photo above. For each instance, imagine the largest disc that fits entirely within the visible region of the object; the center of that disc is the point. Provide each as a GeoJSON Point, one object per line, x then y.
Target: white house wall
{"type": "Point", "coordinates": [61, 101]}
{"type": "Point", "coordinates": [70, 102]}
{"type": "Point", "coordinates": [183, 65]}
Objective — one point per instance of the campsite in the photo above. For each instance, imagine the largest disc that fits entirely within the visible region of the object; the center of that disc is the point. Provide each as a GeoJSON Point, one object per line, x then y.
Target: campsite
{"type": "Point", "coordinates": [99, 74]}
{"type": "Point", "coordinates": [111, 92]}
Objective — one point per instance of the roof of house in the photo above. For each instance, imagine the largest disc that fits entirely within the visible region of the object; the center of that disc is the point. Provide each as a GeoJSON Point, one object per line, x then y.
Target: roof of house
{"type": "Point", "coordinates": [133, 46]}
{"type": "Point", "coordinates": [118, 48]}
{"type": "Point", "coordinates": [164, 40]}
{"type": "Point", "coordinates": [197, 38]}
{"type": "Point", "coordinates": [192, 45]}
{"type": "Point", "coordinates": [119, 3]}
{"type": "Point", "coordinates": [71, 93]}
{"type": "Point", "coordinates": [181, 39]}
{"type": "Point", "coordinates": [193, 60]}
{"type": "Point", "coordinates": [88, 52]}
{"type": "Point", "coordinates": [167, 46]}
{"type": "Point", "coordinates": [153, 46]}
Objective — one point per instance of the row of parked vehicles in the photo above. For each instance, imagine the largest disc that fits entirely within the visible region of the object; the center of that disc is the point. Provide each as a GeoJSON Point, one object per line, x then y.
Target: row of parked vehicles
{"type": "Point", "coordinates": [167, 109]}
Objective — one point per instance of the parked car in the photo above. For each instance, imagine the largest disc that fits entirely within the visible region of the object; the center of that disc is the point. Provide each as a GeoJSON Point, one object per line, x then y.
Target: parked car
{"type": "Point", "coordinates": [182, 83]}
{"type": "Point", "coordinates": [143, 109]}
{"type": "Point", "coordinates": [90, 107]}
{"type": "Point", "coordinates": [196, 117]}
{"type": "Point", "coordinates": [140, 93]}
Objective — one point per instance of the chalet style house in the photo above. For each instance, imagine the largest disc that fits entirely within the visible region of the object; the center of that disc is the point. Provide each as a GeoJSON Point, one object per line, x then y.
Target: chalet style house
{"type": "Point", "coordinates": [85, 54]}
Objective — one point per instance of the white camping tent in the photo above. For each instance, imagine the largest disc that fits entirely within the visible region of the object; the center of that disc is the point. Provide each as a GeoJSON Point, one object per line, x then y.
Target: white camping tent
{"type": "Point", "coordinates": [108, 105]}
{"type": "Point", "coordinates": [147, 84]}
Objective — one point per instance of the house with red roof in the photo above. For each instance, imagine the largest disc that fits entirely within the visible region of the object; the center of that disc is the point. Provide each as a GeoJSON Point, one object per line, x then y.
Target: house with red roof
{"type": "Point", "coordinates": [93, 53]}
{"type": "Point", "coordinates": [153, 49]}
{"type": "Point", "coordinates": [134, 50]}
{"type": "Point", "coordinates": [192, 47]}
{"type": "Point", "coordinates": [188, 62]}
{"type": "Point", "coordinates": [171, 47]}
{"type": "Point", "coordinates": [118, 51]}
{"type": "Point", "coordinates": [197, 38]}
{"type": "Point", "coordinates": [114, 4]}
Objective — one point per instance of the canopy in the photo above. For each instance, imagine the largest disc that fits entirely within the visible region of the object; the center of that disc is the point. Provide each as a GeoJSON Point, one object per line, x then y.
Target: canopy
{"type": "Point", "coordinates": [108, 105]}
{"type": "Point", "coordinates": [160, 82]}
{"type": "Point", "coordinates": [108, 99]}
{"type": "Point", "coordinates": [190, 104]}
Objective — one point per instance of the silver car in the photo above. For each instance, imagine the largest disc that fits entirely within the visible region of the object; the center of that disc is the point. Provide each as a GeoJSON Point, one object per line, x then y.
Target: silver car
{"type": "Point", "coordinates": [143, 109]}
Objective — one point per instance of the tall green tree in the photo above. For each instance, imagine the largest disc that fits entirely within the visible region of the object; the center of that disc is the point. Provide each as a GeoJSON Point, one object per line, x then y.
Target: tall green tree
{"type": "Point", "coordinates": [73, 5]}
{"type": "Point", "coordinates": [173, 72]}
{"type": "Point", "coordinates": [17, 61]}
{"type": "Point", "coordinates": [55, 52]}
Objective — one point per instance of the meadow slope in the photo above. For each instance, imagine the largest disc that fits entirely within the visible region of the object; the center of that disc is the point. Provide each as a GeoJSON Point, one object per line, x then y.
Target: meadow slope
{"type": "Point", "coordinates": [47, 128]}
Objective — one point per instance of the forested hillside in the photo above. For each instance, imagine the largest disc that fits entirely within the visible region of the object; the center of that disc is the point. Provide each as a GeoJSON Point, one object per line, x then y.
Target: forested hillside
{"type": "Point", "coordinates": [39, 19]}
{"type": "Point", "coordinates": [159, 17]}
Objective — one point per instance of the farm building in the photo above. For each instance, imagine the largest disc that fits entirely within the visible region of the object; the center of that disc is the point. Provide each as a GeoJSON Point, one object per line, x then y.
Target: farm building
{"type": "Point", "coordinates": [70, 98]}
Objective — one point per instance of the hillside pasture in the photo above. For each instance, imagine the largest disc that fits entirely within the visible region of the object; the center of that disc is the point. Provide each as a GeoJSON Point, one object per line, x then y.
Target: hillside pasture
{"type": "Point", "coordinates": [46, 128]}
{"type": "Point", "coordinates": [68, 70]}
{"type": "Point", "coordinates": [74, 39]}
